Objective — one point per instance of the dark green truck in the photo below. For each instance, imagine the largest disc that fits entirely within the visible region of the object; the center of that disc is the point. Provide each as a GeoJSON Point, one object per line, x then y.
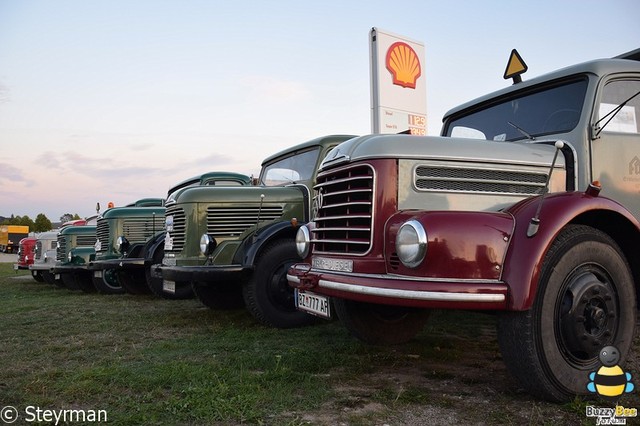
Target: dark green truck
{"type": "Point", "coordinates": [234, 245]}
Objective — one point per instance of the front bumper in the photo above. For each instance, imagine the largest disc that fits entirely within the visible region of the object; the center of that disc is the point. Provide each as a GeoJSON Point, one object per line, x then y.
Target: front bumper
{"type": "Point", "coordinates": [206, 274]}
{"type": "Point", "coordinates": [399, 290]}
{"type": "Point", "coordinates": [119, 264]}
{"type": "Point", "coordinates": [68, 269]}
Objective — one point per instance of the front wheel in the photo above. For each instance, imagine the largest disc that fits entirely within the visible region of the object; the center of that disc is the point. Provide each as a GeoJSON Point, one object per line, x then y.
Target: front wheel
{"type": "Point", "coordinates": [267, 293]}
{"type": "Point", "coordinates": [134, 282]}
{"type": "Point", "coordinates": [585, 301]}
{"type": "Point", "coordinates": [107, 282]}
{"type": "Point", "coordinates": [380, 324]}
{"type": "Point", "coordinates": [37, 276]}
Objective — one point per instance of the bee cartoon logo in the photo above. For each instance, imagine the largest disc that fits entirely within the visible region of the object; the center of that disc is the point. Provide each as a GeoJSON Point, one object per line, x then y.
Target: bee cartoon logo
{"type": "Point", "coordinates": [610, 380]}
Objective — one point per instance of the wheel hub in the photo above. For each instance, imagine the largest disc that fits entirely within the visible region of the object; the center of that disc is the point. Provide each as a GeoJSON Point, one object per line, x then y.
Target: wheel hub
{"type": "Point", "coordinates": [588, 316]}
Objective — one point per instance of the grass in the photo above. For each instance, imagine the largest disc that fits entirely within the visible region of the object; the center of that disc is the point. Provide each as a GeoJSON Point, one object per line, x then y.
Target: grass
{"type": "Point", "coordinates": [151, 361]}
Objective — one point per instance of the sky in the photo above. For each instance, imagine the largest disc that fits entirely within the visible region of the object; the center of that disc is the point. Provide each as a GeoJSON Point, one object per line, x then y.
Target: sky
{"type": "Point", "coordinates": [117, 100]}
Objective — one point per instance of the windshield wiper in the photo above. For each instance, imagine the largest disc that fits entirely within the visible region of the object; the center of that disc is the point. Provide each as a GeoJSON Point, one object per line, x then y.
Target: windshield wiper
{"type": "Point", "coordinates": [597, 130]}
{"type": "Point", "coordinates": [521, 130]}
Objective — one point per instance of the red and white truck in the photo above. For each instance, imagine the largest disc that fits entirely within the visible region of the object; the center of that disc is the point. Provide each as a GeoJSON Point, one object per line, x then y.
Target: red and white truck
{"type": "Point", "coordinates": [527, 205]}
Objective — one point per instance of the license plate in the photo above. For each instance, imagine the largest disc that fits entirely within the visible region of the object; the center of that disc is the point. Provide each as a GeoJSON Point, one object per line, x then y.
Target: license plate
{"type": "Point", "coordinates": [332, 264]}
{"type": "Point", "coordinates": [15, 266]}
{"type": "Point", "coordinates": [56, 277]}
{"type": "Point", "coordinates": [97, 274]}
{"type": "Point", "coordinates": [313, 303]}
{"type": "Point", "coordinates": [169, 286]}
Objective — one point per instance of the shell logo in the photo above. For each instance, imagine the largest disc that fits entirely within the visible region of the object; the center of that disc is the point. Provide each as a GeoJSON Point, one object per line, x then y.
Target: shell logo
{"type": "Point", "coordinates": [404, 65]}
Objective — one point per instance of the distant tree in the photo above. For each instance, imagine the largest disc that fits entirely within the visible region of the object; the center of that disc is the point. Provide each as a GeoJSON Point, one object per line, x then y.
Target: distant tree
{"type": "Point", "coordinates": [26, 221]}
{"type": "Point", "coordinates": [66, 217]}
{"type": "Point", "coordinates": [42, 223]}
{"type": "Point", "coordinates": [76, 217]}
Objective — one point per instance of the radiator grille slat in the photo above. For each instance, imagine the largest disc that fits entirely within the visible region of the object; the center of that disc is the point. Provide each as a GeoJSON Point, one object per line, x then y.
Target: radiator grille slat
{"type": "Point", "coordinates": [231, 222]}
{"type": "Point", "coordinates": [345, 211]}
{"type": "Point", "coordinates": [177, 230]}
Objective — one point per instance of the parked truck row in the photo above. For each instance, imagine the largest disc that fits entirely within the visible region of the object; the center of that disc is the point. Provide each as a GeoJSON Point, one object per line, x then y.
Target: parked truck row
{"type": "Point", "coordinates": [527, 206]}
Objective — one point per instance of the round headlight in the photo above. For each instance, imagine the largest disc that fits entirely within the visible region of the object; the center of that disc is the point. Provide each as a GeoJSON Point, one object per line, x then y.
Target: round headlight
{"type": "Point", "coordinates": [411, 243]}
{"type": "Point", "coordinates": [207, 244]}
{"type": "Point", "coordinates": [303, 241]}
{"type": "Point", "coordinates": [122, 244]}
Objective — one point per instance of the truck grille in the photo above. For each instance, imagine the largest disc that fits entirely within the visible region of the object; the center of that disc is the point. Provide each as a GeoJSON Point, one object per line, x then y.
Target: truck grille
{"type": "Point", "coordinates": [102, 232]}
{"type": "Point", "coordinates": [81, 241]}
{"type": "Point", "coordinates": [140, 229]}
{"type": "Point", "coordinates": [178, 229]}
{"type": "Point", "coordinates": [461, 179]}
{"type": "Point", "coordinates": [345, 211]}
{"type": "Point", "coordinates": [38, 251]}
{"type": "Point", "coordinates": [231, 222]}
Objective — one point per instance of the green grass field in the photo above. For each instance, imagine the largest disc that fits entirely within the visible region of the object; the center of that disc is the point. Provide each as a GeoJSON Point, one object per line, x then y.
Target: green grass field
{"type": "Point", "coordinates": [149, 361]}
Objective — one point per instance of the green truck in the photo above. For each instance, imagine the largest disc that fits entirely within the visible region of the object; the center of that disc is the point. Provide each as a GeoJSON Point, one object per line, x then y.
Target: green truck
{"type": "Point", "coordinates": [233, 246]}
{"type": "Point", "coordinates": [75, 249]}
{"type": "Point", "coordinates": [130, 239]}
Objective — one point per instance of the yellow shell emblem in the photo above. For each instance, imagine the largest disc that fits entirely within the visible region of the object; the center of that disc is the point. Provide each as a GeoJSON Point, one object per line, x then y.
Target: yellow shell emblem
{"type": "Point", "coordinates": [404, 65]}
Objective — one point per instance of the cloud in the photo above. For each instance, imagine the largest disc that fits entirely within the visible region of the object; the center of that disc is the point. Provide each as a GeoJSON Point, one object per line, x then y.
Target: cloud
{"type": "Point", "coordinates": [12, 174]}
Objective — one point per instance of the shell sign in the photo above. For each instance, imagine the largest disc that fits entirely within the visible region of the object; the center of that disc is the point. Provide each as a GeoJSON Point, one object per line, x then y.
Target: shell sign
{"type": "Point", "coordinates": [403, 64]}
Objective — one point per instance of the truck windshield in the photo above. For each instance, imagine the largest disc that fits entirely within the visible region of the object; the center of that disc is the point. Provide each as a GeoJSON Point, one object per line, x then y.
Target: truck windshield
{"type": "Point", "coordinates": [295, 168]}
{"type": "Point", "coordinates": [555, 109]}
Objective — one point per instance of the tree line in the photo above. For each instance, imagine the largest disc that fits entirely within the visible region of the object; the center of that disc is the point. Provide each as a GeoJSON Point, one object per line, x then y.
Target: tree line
{"type": "Point", "coordinates": [40, 224]}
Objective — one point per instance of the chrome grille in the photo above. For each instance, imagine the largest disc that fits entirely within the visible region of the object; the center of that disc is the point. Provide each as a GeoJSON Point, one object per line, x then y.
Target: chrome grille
{"type": "Point", "coordinates": [85, 240]}
{"type": "Point", "coordinates": [233, 221]}
{"type": "Point", "coordinates": [474, 180]}
{"type": "Point", "coordinates": [345, 214]}
{"type": "Point", "coordinates": [61, 249]}
{"type": "Point", "coordinates": [140, 229]}
{"type": "Point", "coordinates": [102, 232]}
{"type": "Point", "coordinates": [178, 229]}
{"type": "Point", "coordinates": [38, 250]}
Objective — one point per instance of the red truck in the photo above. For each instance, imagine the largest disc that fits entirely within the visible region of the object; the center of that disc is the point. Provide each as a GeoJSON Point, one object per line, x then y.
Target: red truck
{"type": "Point", "coordinates": [526, 206]}
{"type": "Point", "coordinates": [26, 254]}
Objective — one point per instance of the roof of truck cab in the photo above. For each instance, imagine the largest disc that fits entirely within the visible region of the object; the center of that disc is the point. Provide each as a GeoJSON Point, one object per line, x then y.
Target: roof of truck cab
{"type": "Point", "coordinates": [599, 67]}
{"type": "Point", "coordinates": [321, 141]}
{"type": "Point", "coordinates": [211, 176]}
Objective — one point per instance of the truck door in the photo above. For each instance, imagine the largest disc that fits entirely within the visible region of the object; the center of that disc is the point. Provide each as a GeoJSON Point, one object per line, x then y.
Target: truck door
{"type": "Point", "coordinates": [615, 155]}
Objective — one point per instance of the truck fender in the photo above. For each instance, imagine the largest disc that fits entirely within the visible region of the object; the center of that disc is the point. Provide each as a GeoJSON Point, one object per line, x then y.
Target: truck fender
{"type": "Point", "coordinates": [525, 255]}
{"type": "Point", "coordinates": [156, 242]}
{"type": "Point", "coordinates": [252, 245]}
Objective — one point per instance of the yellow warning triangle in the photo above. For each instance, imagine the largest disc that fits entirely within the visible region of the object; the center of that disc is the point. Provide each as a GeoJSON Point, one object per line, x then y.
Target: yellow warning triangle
{"type": "Point", "coordinates": [515, 66]}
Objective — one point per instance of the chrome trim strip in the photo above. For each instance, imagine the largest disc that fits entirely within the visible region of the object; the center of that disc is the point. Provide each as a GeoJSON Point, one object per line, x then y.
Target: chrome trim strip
{"type": "Point", "coordinates": [407, 294]}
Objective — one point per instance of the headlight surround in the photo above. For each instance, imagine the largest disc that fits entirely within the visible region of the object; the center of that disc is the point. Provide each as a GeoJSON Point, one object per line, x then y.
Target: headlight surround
{"type": "Point", "coordinates": [303, 241]}
{"type": "Point", "coordinates": [411, 243]}
{"type": "Point", "coordinates": [122, 244]}
{"type": "Point", "coordinates": [207, 244]}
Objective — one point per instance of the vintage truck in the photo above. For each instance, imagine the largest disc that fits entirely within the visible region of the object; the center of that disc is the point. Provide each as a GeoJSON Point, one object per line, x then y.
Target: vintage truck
{"type": "Point", "coordinates": [234, 245]}
{"type": "Point", "coordinates": [121, 234]}
{"type": "Point", "coordinates": [527, 206]}
{"type": "Point", "coordinates": [26, 248]}
{"type": "Point", "coordinates": [45, 253]}
{"type": "Point", "coordinates": [131, 239]}
{"type": "Point", "coordinates": [75, 248]}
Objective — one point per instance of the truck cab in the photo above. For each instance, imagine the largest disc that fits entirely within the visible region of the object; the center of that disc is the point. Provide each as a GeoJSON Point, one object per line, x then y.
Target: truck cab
{"type": "Point", "coordinates": [233, 245]}
{"type": "Point", "coordinates": [526, 206]}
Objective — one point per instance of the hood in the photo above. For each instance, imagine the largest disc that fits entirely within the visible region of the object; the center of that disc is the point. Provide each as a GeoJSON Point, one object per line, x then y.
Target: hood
{"type": "Point", "coordinates": [242, 194]}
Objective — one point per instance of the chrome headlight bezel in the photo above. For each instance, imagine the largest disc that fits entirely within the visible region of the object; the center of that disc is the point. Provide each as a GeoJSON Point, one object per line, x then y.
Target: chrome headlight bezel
{"type": "Point", "coordinates": [411, 243]}
{"type": "Point", "coordinates": [303, 241]}
{"type": "Point", "coordinates": [122, 244]}
{"type": "Point", "coordinates": [207, 244]}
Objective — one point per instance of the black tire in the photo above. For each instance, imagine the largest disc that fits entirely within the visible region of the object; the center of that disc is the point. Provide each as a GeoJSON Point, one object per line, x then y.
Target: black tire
{"type": "Point", "coordinates": [37, 276]}
{"type": "Point", "coordinates": [85, 281]}
{"type": "Point", "coordinates": [380, 324]}
{"type": "Point", "coordinates": [585, 300]}
{"type": "Point", "coordinates": [107, 283]}
{"type": "Point", "coordinates": [267, 294]}
{"type": "Point", "coordinates": [51, 279]}
{"type": "Point", "coordinates": [220, 296]}
{"type": "Point", "coordinates": [183, 290]}
{"type": "Point", "coordinates": [133, 282]}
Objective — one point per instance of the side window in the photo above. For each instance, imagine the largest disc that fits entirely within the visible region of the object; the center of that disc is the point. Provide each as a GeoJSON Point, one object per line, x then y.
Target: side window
{"type": "Point", "coordinates": [612, 114]}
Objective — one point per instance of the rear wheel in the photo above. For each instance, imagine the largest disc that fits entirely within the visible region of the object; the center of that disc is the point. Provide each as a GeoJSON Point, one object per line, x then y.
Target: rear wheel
{"type": "Point", "coordinates": [585, 301]}
{"type": "Point", "coordinates": [37, 276]}
{"type": "Point", "coordinates": [133, 282]}
{"type": "Point", "coordinates": [221, 296]}
{"type": "Point", "coordinates": [267, 294]}
{"type": "Point", "coordinates": [107, 283]}
{"type": "Point", "coordinates": [85, 281]}
{"type": "Point", "coordinates": [380, 324]}
{"type": "Point", "coordinates": [51, 279]}
{"type": "Point", "coordinates": [70, 281]}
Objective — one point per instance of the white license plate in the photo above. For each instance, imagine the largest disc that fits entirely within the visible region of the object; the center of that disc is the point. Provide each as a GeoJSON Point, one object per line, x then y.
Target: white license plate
{"type": "Point", "coordinates": [56, 277]}
{"type": "Point", "coordinates": [332, 264]}
{"type": "Point", "coordinates": [97, 274]}
{"type": "Point", "coordinates": [313, 303]}
{"type": "Point", "coordinates": [15, 266]}
{"type": "Point", "coordinates": [169, 286]}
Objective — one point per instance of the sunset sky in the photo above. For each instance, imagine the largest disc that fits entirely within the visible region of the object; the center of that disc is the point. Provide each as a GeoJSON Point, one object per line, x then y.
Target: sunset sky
{"type": "Point", "coordinates": [118, 100]}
